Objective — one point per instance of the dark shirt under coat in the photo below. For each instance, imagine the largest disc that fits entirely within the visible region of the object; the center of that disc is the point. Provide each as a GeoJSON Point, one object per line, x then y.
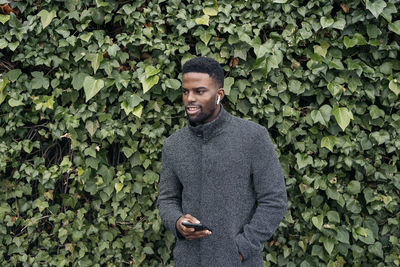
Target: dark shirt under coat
{"type": "Point", "coordinates": [226, 174]}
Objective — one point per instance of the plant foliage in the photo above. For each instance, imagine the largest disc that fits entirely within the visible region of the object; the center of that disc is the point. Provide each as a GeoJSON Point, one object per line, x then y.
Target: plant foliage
{"type": "Point", "coordinates": [90, 89]}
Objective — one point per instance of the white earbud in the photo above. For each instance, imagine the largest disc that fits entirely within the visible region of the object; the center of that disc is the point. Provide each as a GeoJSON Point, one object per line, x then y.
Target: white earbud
{"type": "Point", "coordinates": [219, 98]}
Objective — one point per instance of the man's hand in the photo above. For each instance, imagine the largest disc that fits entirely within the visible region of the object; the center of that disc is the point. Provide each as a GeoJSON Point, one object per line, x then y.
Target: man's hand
{"type": "Point", "coordinates": [187, 232]}
{"type": "Point", "coordinates": [241, 257]}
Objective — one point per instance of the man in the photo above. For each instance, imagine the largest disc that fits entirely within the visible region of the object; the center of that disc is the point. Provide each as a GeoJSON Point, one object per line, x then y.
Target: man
{"type": "Point", "coordinates": [222, 171]}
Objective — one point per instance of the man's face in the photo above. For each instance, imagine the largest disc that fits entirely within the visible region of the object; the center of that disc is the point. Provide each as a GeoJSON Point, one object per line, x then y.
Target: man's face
{"type": "Point", "coordinates": [199, 95]}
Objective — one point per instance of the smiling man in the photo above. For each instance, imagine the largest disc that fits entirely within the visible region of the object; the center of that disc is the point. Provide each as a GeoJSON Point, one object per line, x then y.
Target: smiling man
{"type": "Point", "coordinates": [220, 171]}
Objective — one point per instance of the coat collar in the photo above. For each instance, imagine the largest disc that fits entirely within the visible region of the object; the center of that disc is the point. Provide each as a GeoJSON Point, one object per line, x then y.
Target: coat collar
{"type": "Point", "coordinates": [212, 128]}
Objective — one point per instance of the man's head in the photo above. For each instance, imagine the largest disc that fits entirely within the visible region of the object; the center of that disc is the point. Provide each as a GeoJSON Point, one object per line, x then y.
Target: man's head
{"type": "Point", "coordinates": [202, 89]}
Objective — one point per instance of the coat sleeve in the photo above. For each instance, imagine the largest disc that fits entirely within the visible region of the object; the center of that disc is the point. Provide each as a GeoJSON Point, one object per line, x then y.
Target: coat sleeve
{"type": "Point", "coordinates": [169, 198]}
{"type": "Point", "coordinates": [270, 190]}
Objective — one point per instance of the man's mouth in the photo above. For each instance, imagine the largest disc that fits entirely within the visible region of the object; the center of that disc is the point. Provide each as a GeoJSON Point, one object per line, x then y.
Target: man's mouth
{"type": "Point", "coordinates": [191, 110]}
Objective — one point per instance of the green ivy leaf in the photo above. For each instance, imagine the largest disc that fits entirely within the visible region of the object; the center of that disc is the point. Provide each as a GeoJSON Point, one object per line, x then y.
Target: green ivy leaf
{"type": "Point", "coordinates": [295, 87]}
{"type": "Point", "coordinates": [381, 136]}
{"type": "Point", "coordinates": [3, 83]}
{"type": "Point", "coordinates": [260, 50]}
{"type": "Point", "coordinates": [148, 83]}
{"type": "Point", "coordinates": [131, 102]}
{"type": "Point", "coordinates": [342, 116]}
{"type": "Point", "coordinates": [373, 31]}
{"type": "Point", "coordinates": [365, 235]}
{"type": "Point", "coordinates": [39, 80]}
{"type": "Point", "coordinates": [329, 243]}
{"type": "Point", "coordinates": [86, 36]}
{"type": "Point", "coordinates": [303, 160]}
{"type": "Point", "coordinates": [354, 187]}
{"type": "Point", "coordinates": [376, 249]}
{"type": "Point", "coordinates": [342, 235]}
{"type": "Point", "coordinates": [321, 49]}
{"type": "Point", "coordinates": [3, 43]}
{"type": "Point", "coordinates": [4, 210]}
{"type": "Point", "coordinates": [92, 86]}
{"type": "Point", "coordinates": [353, 205]}
{"type": "Point", "coordinates": [13, 45]}
{"type": "Point", "coordinates": [326, 22]}
{"type": "Point", "coordinates": [92, 126]}
{"type": "Point", "coordinates": [137, 188]}
{"type": "Point", "coordinates": [376, 7]}
{"type": "Point", "coordinates": [204, 20]}
{"type": "Point", "coordinates": [48, 102]}
{"type": "Point", "coordinates": [150, 177]}
{"type": "Point", "coordinates": [336, 64]}
{"type": "Point", "coordinates": [339, 24]}
{"type": "Point", "coordinates": [357, 39]}
{"type": "Point", "coordinates": [13, 74]}
{"type": "Point", "coordinates": [112, 50]}
{"type": "Point", "coordinates": [148, 250]}
{"type": "Point", "coordinates": [333, 216]}
{"type": "Point", "coordinates": [395, 27]}
{"type": "Point", "coordinates": [137, 111]}
{"type": "Point", "coordinates": [244, 37]}
{"type": "Point", "coordinates": [328, 142]}
{"type": "Point", "coordinates": [322, 115]}
{"type": "Point", "coordinates": [15, 103]}
{"type": "Point", "coordinates": [318, 221]}
{"type": "Point", "coordinates": [2, 97]}
{"type": "Point", "coordinates": [95, 60]}
{"type": "Point", "coordinates": [228, 82]}
{"type": "Point", "coordinates": [369, 195]}
{"type": "Point", "coordinates": [205, 36]}
{"type": "Point", "coordinates": [40, 204]}
{"type": "Point", "coordinates": [273, 61]}
{"type": "Point", "coordinates": [4, 18]}
{"type": "Point", "coordinates": [173, 83]}
{"type": "Point", "coordinates": [118, 187]}
{"type": "Point", "coordinates": [376, 112]}
{"type": "Point", "coordinates": [14, 21]}
{"type": "Point", "coordinates": [361, 231]}
{"type": "Point", "coordinates": [394, 86]}
{"type": "Point", "coordinates": [107, 173]}
{"type": "Point", "coordinates": [243, 106]}
{"type": "Point", "coordinates": [151, 71]}
{"type": "Point", "coordinates": [46, 17]}
{"type": "Point", "coordinates": [62, 235]}
{"type": "Point", "coordinates": [210, 11]}
{"type": "Point", "coordinates": [101, 3]}
{"type": "Point", "coordinates": [335, 88]}
{"type": "Point", "coordinates": [77, 80]}
{"type": "Point", "coordinates": [128, 152]}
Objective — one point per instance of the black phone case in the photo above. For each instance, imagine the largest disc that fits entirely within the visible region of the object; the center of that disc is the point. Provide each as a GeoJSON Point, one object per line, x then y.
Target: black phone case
{"type": "Point", "coordinates": [197, 227]}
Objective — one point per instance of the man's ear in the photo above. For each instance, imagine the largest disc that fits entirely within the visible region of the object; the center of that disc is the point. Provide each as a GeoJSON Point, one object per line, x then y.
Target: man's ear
{"type": "Point", "coordinates": [221, 93]}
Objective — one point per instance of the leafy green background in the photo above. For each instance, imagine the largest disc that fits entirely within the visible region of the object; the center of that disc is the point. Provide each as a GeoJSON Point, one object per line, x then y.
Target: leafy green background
{"type": "Point", "coordinates": [89, 91]}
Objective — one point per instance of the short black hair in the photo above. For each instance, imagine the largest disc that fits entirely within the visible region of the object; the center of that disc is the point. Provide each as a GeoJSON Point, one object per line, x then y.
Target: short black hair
{"type": "Point", "coordinates": [205, 65]}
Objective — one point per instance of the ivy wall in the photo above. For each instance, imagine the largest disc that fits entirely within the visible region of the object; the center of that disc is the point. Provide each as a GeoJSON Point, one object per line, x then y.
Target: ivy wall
{"type": "Point", "coordinates": [90, 89]}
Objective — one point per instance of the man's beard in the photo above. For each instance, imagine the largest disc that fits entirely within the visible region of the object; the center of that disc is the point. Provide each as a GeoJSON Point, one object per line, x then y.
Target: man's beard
{"type": "Point", "coordinates": [201, 117]}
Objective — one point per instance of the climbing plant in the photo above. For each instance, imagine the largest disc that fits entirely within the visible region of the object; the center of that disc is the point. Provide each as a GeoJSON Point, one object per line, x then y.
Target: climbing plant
{"type": "Point", "coordinates": [90, 89]}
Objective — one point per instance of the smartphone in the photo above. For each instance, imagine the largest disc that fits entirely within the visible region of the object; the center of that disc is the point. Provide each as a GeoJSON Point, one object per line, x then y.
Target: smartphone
{"type": "Point", "coordinates": [196, 226]}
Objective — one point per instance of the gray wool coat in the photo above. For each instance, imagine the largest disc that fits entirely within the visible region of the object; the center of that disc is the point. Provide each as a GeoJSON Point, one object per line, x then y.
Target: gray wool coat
{"type": "Point", "coordinates": [226, 174]}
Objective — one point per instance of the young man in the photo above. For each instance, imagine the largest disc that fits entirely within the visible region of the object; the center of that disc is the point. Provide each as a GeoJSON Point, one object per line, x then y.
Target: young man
{"type": "Point", "coordinates": [222, 171]}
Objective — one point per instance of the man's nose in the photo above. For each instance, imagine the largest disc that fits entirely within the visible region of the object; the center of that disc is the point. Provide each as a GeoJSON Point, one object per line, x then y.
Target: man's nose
{"type": "Point", "coordinates": [191, 97]}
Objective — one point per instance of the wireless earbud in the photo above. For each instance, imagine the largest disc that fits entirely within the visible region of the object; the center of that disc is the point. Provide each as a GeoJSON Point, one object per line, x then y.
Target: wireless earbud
{"type": "Point", "coordinates": [219, 98]}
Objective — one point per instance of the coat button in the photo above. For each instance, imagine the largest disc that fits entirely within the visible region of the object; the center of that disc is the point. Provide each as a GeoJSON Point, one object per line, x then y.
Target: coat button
{"type": "Point", "coordinates": [199, 135]}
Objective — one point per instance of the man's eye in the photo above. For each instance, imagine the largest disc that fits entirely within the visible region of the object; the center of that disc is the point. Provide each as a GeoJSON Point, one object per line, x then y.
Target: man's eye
{"type": "Point", "coordinates": [185, 91]}
{"type": "Point", "coordinates": [200, 92]}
